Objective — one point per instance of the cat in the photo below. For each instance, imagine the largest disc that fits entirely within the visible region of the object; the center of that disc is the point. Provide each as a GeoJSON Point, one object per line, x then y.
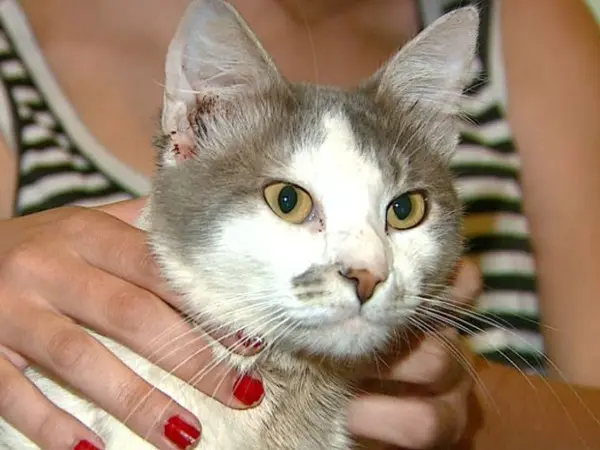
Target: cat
{"type": "Point", "coordinates": [314, 218]}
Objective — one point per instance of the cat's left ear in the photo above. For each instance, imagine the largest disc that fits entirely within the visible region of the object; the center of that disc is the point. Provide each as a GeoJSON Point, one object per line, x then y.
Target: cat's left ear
{"type": "Point", "coordinates": [426, 78]}
{"type": "Point", "coordinates": [213, 61]}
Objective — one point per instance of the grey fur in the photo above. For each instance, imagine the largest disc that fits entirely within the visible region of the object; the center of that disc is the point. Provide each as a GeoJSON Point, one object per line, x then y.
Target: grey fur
{"type": "Point", "coordinates": [246, 139]}
{"type": "Point", "coordinates": [244, 124]}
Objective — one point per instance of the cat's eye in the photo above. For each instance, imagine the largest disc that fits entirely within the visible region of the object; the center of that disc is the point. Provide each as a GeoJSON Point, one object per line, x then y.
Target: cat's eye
{"type": "Point", "coordinates": [407, 211]}
{"type": "Point", "coordinates": [290, 202]}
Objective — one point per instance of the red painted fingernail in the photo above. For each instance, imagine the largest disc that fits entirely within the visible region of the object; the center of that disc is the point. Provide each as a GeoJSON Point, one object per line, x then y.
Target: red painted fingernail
{"type": "Point", "coordinates": [253, 343]}
{"type": "Point", "coordinates": [85, 445]}
{"type": "Point", "coordinates": [181, 433]}
{"type": "Point", "coordinates": [249, 342]}
{"type": "Point", "coordinates": [258, 343]}
{"type": "Point", "coordinates": [248, 390]}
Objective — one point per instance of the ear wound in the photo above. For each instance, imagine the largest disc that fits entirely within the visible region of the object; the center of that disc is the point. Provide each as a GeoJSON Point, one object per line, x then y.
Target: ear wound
{"type": "Point", "coordinates": [181, 146]}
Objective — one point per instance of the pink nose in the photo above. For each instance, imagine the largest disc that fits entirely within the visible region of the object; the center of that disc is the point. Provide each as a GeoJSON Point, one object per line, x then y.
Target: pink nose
{"type": "Point", "coordinates": [366, 282]}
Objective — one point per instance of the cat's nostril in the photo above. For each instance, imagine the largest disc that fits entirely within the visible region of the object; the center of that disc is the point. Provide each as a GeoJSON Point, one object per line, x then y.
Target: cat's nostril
{"type": "Point", "coordinates": [365, 281]}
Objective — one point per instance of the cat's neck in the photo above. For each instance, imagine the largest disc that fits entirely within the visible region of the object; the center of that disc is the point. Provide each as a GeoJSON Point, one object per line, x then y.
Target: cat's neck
{"type": "Point", "coordinates": [276, 361]}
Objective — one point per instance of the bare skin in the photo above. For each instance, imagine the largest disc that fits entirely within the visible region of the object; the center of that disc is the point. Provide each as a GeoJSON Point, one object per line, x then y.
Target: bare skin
{"type": "Point", "coordinates": [509, 411]}
{"type": "Point", "coordinates": [49, 262]}
{"type": "Point", "coordinates": [123, 45]}
{"type": "Point", "coordinates": [564, 51]}
{"type": "Point", "coordinates": [92, 49]}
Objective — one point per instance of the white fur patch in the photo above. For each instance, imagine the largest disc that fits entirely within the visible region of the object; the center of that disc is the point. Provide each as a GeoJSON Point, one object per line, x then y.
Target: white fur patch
{"type": "Point", "coordinates": [264, 254]}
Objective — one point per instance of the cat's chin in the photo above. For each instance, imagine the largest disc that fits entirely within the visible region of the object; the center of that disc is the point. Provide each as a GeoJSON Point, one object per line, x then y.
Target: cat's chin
{"type": "Point", "coordinates": [351, 338]}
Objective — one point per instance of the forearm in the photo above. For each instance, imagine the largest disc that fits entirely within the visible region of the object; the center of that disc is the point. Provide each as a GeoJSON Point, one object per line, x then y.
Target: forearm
{"type": "Point", "coordinates": [552, 59]}
{"type": "Point", "coordinates": [8, 170]}
{"type": "Point", "coordinates": [518, 412]}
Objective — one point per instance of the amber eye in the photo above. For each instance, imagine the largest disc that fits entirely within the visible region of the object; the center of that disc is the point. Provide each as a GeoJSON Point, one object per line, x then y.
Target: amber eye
{"type": "Point", "coordinates": [290, 202]}
{"type": "Point", "coordinates": [407, 211]}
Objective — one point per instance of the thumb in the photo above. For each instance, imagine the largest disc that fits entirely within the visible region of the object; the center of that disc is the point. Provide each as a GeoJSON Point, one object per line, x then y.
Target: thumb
{"type": "Point", "coordinates": [127, 210]}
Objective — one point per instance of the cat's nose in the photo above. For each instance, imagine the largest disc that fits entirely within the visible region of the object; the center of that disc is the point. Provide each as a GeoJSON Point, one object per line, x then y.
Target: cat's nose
{"type": "Point", "coordinates": [366, 282]}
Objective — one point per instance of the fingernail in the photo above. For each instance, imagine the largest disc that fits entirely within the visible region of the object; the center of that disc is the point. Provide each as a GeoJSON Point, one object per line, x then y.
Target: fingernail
{"type": "Point", "coordinates": [258, 343]}
{"type": "Point", "coordinates": [181, 433]}
{"type": "Point", "coordinates": [85, 445]}
{"type": "Point", "coordinates": [248, 341]}
{"type": "Point", "coordinates": [248, 390]}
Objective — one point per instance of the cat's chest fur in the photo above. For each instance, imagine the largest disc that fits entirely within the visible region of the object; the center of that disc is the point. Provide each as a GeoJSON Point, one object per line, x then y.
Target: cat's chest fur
{"type": "Point", "coordinates": [304, 408]}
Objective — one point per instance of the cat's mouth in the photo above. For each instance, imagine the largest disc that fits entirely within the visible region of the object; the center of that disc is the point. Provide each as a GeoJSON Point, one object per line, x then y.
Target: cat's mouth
{"type": "Point", "coordinates": [351, 313]}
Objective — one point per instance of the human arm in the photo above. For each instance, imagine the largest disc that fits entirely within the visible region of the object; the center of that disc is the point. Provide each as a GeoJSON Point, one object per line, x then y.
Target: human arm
{"type": "Point", "coordinates": [7, 179]}
{"type": "Point", "coordinates": [552, 64]}
{"type": "Point", "coordinates": [510, 410]}
{"type": "Point", "coordinates": [71, 266]}
{"type": "Point", "coordinates": [507, 409]}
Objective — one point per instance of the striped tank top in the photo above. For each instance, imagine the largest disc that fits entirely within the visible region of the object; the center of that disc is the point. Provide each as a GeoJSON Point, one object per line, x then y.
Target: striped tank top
{"type": "Point", "coordinates": [61, 163]}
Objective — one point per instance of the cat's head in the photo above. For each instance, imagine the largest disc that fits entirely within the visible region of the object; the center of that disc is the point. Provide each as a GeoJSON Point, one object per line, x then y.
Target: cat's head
{"type": "Point", "coordinates": [315, 218]}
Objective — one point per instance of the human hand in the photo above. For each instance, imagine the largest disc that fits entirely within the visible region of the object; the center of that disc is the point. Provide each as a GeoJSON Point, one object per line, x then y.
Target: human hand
{"type": "Point", "coordinates": [427, 404]}
{"type": "Point", "coordinates": [67, 268]}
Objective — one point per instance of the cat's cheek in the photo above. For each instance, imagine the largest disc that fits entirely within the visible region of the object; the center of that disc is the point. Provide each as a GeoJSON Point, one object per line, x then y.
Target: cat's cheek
{"type": "Point", "coordinates": [282, 250]}
{"type": "Point", "coordinates": [279, 251]}
{"type": "Point", "coordinates": [415, 253]}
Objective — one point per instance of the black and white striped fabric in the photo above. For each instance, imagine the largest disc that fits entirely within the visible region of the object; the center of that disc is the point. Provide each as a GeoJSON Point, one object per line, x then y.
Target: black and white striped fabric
{"type": "Point", "coordinates": [60, 163]}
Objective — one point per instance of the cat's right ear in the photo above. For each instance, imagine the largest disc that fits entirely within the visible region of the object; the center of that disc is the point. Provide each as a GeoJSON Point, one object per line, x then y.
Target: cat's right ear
{"type": "Point", "coordinates": [213, 61]}
{"type": "Point", "coordinates": [426, 78]}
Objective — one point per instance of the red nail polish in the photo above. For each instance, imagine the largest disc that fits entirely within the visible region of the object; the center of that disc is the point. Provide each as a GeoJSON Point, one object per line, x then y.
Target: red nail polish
{"type": "Point", "coordinates": [85, 445]}
{"type": "Point", "coordinates": [257, 343]}
{"type": "Point", "coordinates": [181, 433]}
{"type": "Point", "coordinates": [249, 342]}
{"type": "Point", "coordinates": [248, 390]}
{"type": "Point", "coordinates": [253, 343]}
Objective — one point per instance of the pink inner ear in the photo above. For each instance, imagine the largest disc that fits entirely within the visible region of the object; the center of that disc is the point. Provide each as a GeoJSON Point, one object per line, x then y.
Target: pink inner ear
{"type": "Point", "coordinates": [182, 146]}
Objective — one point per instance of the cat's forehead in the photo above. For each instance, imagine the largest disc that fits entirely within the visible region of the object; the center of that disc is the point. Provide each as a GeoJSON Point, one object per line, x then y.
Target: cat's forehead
{"type": "Point", "coordinates": [341, 164]}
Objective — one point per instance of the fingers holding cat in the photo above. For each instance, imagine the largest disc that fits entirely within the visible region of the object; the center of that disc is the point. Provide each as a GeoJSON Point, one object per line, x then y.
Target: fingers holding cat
{"type": "Point", "coordinates": [422, 408]}
{"type": "Point", "coordinates": [441, 358]}
{"type": "Point", "coordinates": [71, 266]}
{"type": "Point", "coordinates": [423, 403]}
{"type": "Point", "coordinates": [23, 406]}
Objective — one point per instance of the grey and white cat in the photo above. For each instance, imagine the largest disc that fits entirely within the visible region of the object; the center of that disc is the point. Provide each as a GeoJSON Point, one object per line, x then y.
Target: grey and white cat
{"type": "Point", "coordinates": [313, 218]}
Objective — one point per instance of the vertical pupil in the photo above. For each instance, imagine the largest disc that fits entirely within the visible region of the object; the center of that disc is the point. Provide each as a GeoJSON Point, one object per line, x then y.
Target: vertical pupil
{"type": "Point", "coordinates": [403, 207]}
{"type": "Point", "coordinates": [288, 198]}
